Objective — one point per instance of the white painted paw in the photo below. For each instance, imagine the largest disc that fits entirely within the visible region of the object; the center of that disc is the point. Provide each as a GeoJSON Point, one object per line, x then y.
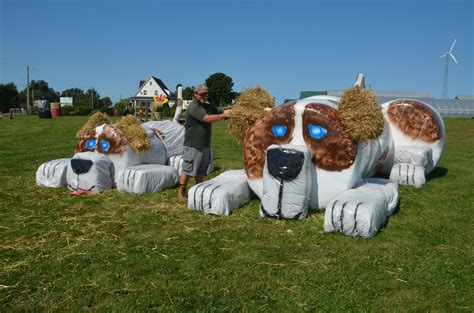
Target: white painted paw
{"type": "Point", "coordinates": [52, 173]}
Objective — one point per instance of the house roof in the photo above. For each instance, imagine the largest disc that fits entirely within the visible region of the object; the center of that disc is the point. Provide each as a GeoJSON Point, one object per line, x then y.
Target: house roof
{"type": "Point", "coordinates": [161, 84]}
{"type": "Point", "coordinates": [158, 81]}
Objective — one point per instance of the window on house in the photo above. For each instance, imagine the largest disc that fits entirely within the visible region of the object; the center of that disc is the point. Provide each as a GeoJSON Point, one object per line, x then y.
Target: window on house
{"type": "Point", "coordinates": [156, 92]}
{"type": "Point", "coordinates": [144, 92]}
{"type": "Point", "coordinates": [150, 83]}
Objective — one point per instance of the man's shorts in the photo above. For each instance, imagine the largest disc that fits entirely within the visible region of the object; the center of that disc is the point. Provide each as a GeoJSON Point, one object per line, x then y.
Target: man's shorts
{"type": "Point", "coordinates": [196, 162]}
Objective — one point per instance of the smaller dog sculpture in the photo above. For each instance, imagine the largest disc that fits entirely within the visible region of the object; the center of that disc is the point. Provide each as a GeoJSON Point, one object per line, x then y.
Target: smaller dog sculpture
{"type": "Point", "coordinates": [132, 157]}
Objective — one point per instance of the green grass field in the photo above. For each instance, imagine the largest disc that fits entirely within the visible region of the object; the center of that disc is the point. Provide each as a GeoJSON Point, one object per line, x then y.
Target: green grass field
{"type": "Point", "coordinates": [122, 252]}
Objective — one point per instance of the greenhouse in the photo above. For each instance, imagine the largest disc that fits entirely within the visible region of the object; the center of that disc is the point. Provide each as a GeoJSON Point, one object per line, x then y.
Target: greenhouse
{"type": "Point", "coordinates": [460, 106]}
{"type": "Point", "coordinates": [445, 107]}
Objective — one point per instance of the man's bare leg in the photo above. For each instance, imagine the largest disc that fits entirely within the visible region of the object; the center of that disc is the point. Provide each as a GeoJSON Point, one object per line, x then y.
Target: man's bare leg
{"type": "Point", "coordinates": [199, 179]}
{"type": "Point", "coordinates": [183, 182]}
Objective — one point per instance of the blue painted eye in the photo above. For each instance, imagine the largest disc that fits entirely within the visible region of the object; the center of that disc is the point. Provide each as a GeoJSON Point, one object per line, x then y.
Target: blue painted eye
{"type": "Point", "coordinates": [90, 144]}
{"type": "Point", "coordinates": [104, 145]}
{"type": "Point", "coordinates": [316, 131]}
{"type": "Point", "coordinates": [279, 130]}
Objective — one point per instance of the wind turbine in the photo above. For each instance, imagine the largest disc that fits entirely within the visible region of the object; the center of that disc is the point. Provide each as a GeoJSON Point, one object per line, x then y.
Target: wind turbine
{"type": "Point", "coordinates": [448, 54]}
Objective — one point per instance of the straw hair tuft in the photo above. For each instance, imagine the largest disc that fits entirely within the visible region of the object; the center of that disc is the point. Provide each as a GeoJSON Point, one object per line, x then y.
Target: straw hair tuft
{"type": "Point", "coordinates": [249, 106]}
{"type": "Point", "coordinates": [361, 114]}
{"type": "Point", "coordinates": [95, 120]}
{"type": "Point", "coordinates": [135, 134]}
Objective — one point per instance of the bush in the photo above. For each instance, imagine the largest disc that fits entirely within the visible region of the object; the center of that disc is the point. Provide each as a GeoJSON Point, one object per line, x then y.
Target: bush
{"type": "Point", "coordinates": [82, 110]}
{"type": "Point", "coordinates": [66, 110]}
{"type": "Point", "coordinates": [168, 112]}
{"type": "Point", "coordinates": [33, 110]}
{"type": "Point", "coordinates": [107, 110]}
{"type": "Point", "coordinates": [129, 111]}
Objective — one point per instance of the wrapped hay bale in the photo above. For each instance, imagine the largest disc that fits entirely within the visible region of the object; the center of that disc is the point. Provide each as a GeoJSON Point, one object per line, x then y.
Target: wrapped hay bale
{"type": "Point", "coordinates": [250, 105]}
{"type": "Point", "coordinates": [361, 114]}
{"type": "Point", "coordinates": [136, 135]}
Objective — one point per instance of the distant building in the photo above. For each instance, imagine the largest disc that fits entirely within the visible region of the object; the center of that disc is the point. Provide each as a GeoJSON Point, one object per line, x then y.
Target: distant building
{"type": "Point", "coordinates": [147, 90]}
{"type": "Point", "coordinates": [460, 106]}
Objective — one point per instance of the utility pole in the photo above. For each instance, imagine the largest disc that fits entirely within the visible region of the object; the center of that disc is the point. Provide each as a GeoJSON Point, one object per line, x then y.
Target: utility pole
{"type": "Point", "coordinates": [92, 97]}
{"type": "Point", "coordinates": [27, 89]}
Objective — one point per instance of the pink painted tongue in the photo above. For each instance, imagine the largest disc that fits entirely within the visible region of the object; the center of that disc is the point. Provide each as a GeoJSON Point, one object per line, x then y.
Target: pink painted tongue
{"type": "Point", "coordinates": [79, 192]}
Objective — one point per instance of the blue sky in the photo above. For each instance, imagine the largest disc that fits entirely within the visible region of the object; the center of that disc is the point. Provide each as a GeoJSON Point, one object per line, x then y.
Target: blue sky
{"type": "Point", "coordinates": [284, 46]}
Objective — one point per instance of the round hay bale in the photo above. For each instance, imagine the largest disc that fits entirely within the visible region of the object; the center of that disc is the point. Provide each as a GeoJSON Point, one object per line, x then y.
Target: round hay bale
{"type": "Point", "coordinates": [136, 135]}
{"type": "Point", "coordinates": [361, 114]}
{"type": "Point", "coordinates": [95, 120]}
{"type": "Point", "coordinates": [249, 106]}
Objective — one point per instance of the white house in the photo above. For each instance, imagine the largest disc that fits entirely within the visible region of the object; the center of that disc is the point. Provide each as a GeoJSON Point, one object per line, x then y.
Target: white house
{"type": "Point", "coordinates": [147, 90]}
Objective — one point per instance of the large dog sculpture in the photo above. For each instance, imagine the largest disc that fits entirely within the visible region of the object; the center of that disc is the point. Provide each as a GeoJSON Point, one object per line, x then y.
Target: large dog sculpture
{"type": "Point", "coordinates": [300, 156]}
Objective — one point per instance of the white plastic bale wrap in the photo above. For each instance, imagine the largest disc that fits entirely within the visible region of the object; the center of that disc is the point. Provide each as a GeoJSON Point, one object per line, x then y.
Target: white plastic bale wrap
{"type": "Point", "coordinates": [53, 173]}
{"type": "Point", "coordinates": [415, 155]}
{"type": "Point", "coordinates": [157, 155]}
{"type": "Point", "coordinates": [147, 178]}
{"type": "Point", "coordinates": [363, 210]}
{"type": "Point", "coordinates": [172, 134]}
{"type": "Point", "coordinates": [176, 162]}
{"type": "Point", "coordinates": [408, 174]}
{"type": "Point", "coordinates": [98, 177]}
{"type": "Point", "coordinates": [286, 188]}
{"type": "Point", "coordinates": [220, 195]}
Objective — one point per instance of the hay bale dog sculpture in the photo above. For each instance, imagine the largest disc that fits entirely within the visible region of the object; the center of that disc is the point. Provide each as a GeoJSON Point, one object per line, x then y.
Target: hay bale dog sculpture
{"type": "Point", "coordinates": [303, 155]}
{"type": "Point", "coordinates": [133, 157]}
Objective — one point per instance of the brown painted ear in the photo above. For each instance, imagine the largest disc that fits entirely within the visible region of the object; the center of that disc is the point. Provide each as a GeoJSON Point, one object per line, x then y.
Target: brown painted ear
{"type": "Point", "coordinates": [414, 119]}
{"type": "Point", "coordinates": [260, 136]}
{"type": "Point", "coordinates": [336, 149]}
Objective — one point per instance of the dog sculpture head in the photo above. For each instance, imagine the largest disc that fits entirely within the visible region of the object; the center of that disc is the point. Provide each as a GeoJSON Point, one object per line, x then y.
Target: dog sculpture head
{"type": "Point", "coordinates": [104, 149]}
{"type": "Point", "coordinates": [303, 143]}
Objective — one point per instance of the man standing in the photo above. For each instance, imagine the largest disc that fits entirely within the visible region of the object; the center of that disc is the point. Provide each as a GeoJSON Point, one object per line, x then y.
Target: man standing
{"type": "Point", "coordinates": [197, 138]}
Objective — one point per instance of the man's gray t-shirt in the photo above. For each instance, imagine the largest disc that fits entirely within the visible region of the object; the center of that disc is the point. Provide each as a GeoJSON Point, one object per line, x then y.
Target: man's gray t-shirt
{"type": "Point", "coordinates": [197, 132]}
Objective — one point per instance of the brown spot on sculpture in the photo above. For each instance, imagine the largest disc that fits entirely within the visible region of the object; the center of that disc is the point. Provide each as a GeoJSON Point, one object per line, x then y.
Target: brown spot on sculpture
{"type": "Point", "coordinates": [414, 119]}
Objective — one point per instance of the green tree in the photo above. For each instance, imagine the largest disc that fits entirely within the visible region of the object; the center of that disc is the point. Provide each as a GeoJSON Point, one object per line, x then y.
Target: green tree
{"type": "Point", "coordinates": [77, 94]}
{"type": "Point", "coordinates": [8, 96]}
{"type": "Point", "coordinates": [39, 89]}
{"type": "Point", "coordinates": [188, 93]}
{"type": "Point", "coordinates": [123, 107]}
{"type": "Point", "coordinates": [105, 102]}
{"type": "Point", "coordinates": [220, 89]}
{"type": "Point", "coordinates": [93, 98]}
{"type": "Point", "coordinates": [73, 92]}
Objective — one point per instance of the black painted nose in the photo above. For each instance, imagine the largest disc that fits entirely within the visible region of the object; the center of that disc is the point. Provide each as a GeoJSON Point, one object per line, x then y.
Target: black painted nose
{"type": "Point", "coordinates": [284, 164]}
{"type": "Point", "coordinates": [80, 166]}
